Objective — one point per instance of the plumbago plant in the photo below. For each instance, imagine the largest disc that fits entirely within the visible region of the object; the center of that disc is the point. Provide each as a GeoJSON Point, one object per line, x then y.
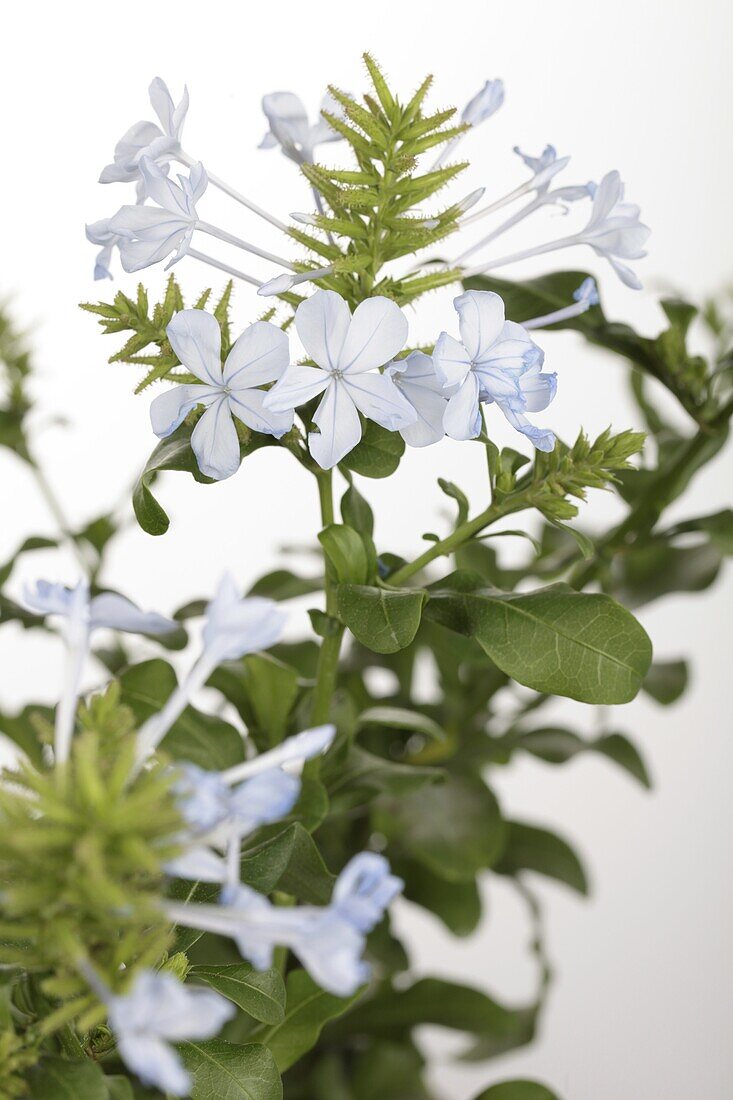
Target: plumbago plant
{"type": "Point", "coordinates": [194, 904]}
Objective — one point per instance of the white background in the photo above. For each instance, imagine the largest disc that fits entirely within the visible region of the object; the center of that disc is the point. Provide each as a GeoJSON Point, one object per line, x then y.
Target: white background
{"type": "Point", "coordinates": [641, 1009]}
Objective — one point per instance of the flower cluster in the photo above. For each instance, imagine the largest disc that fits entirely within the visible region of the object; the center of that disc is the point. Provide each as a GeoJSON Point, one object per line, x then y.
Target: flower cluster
{"type": "Point", "coordinates": [358, 364]}
{"type": "Point", "coordinates": [215, 811]}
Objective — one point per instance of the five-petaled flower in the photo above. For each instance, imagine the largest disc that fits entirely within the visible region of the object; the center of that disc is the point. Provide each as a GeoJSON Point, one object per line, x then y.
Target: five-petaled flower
{"type": "Point", "coordinates": [146, 139]}
{"type": "Point", "coordinates": [346, 351]}
{"type": "Point", "coordinates": [290, 128]}
{"type": "Point", "coordinates": [157, 1012]}
{"type": "Point", "coordinates": [260, 355]}
{"type": "Point", "coordinates": [495, 360]}
{"type": "Point", "coordinates": [150, 233]}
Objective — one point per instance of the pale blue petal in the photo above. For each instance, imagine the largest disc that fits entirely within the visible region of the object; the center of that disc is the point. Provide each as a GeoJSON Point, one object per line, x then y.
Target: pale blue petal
{"type": "Point", "coordinates": [297, 385]}
{"type": "Point", "coordinates": [199, 864]}
{"type": "Point", "coordinates": [451, 360]}
{"type": "Point", "coordinates": [322, 322]}
{"type": "Point", "coordinates": [215, 442]}
{"type": "Point", "coordinates": [249, 407]}
{"type": "Point", "coordinates": [119, 613]}
{"type": "Point", "coordinates": [462, 414]}
{"type": "Point", "coordinates": [378, 398]}
{"type": "Point", "coordinates": [195, 337]}
{"type": "Point", "coordinates": [155, 1063]}
{"type": "Point", "coordinates": [170, 409]}
{"type": "Point", "coordinates": [236, 626]}
{"type": "Point", "coordinates": [339, 424]}
{"type": "Point", "coordinates": [364, 890]}
{"type": "Point", "coordinates": [480, 319]}
{"type": "Point", "coordinates": [377, 332]}
{"type": "Point", "coordinates": [260, 355]}
{"type": "Point", "coordinates": [264, 798]}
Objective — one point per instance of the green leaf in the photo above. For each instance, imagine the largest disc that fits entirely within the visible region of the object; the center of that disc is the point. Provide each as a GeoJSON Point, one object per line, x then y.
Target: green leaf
{"type": "Point", "coordinates": [289, 861]}
{"type": "Point", "coordinates": [307, 1010]}
{"type": "Point", "coordinates": [517, 1090]}
{"type": "Point", "coordinates": [457, 904]}
{"type": "Point", "coordinates": [400, 719]}
{"type": "Point", "coordinates": [655, 568]}
{"type": "Point", "coordinates": [281, 584]}
{"type": "Point", "coordinates": [57, 1079]}
{"type": "Point", "coordinates": [261, 993]}
{"type": "Point", "coordinates": [531, 849]}
{"type": "Point", "coordinates": [174, 453]}
{"type": "Point", "coordinates": [556, 746]}
{"type": "Point", "coordinates": [356, 778]}
{"type": "Point", "coordinates": [555, 640]}
{"type": "Point", "coordinates": [356, 512]}
{"type": "Point", "coordinates": [264, 691]}
{"type": "Point", "coordinates": [119, 1088]}
{"type": "Point", "coordinates": [454, 828]}
{"type": "Point", "coordinates": [378, 454]}
{"type": "Point", "coordinates": [202, 739]}
{"type": "Point", "coordinates": [230, 1072]}
{"type": "Point", "coordinates": [22, 729]}
{"type": "Point", "coordinates": [666, 681]}
{"type": "Point", "coordinates": [382, 620]}
{"type": "Point", "coordinates": [345, 553]}
{"type": "Point", "coordinates": [446, 1004]}
{"type": "Point", "coordinates": [718, 527]}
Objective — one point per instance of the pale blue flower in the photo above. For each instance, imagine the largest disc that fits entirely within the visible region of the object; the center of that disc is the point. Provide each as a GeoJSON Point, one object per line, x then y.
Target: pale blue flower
{"type": "Point", "coordinates": [346, 351]}
{"type": "Point", "coordinates": [159, 143]}
{"type": "Point", "coordinates": [487, 365]}
{"type": "Point", "coordinates": [260, 355]}
{"type": "Point", "coordinates": [614, 230]}
{"type": "Point", "coordinates": [158, 1012]}
{"type": "Point", "coordinates": [290, 128]}
{"type": "Point", "coordinates": [328, 940]}
{"type": "Point", "coordinates": [233, 627]}
{"type": "Point", "coordinates": [150, 233]}
{"type": "Point", "coordinates": [544, 167]}
{"type": "Point", "coordinates": [485, 103]}
{"type": "Point", "coordinates": [587, 293]}
{"type": "Point", "coordinates": [81, 615]}
{"type": "Point", "coordinates": [416, 378]}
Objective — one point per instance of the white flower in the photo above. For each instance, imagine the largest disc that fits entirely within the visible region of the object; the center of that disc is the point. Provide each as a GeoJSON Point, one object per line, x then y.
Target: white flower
{"type": "Point", "coordinates": [157, 1012]}
{"type": "Point", "coordinates": [485, 103]}
{"type": "Point", "coordinates": [146, 139]}
{"type": "Point", "coordinates": [415, 377]}
{"type": "Point", "coordinates": [290, 128]}
{"type": "Point", "coordinates": [614, 229]}
{"type": "Point", "coordinates": [346, 350]}
{"type": "Point", "coordinates": [81, 616]}
{"type": "Point", "coordinates": [488, 364]}
{"type": "Point", "coordinates": [150, 233]}
{"type": "Point", "coordinates": [328, 940]}
{"type": "Point", "coordinates": [260, 355]}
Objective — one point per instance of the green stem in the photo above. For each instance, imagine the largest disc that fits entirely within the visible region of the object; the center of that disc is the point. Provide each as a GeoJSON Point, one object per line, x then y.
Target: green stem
{"type": "Point", "coordinates": [514, 502]}
{"type": "Point", "coordinates": [328, 657]}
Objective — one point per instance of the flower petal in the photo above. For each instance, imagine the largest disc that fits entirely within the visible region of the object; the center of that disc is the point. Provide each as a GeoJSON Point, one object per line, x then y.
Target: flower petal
{"type": "Point", "coordinates": [118, 613]}
{"type": "Point", "coordinates": [249, 407]}
{"type": "Point", "coordinates": [451, 360]}
{"type": "Point", "coordinates": [261, 354]}
{"type": "Point", "coordinates": [480, 319]}
{"type": "Point", "coordinates": [538, 390]}
{"type": "Point", "coordinates": [322, 322]}
{"type": "Point", "coordinates": [378, 330]}
{"type": "Point", "coordinates": [215, 442]}
{"type": "Point", "coordinates": [377, 397]}
{"type": "Point", "coordinates": [542, 438]}
{"type": "Point", "coordinates": [430, 409]}
{"type": "Point", "coordinates": [297, 385]}
{"type": "Point", "coordinates": [340, 427]}
{"type": "Point", "coordinates": [462, 414]}
{"type": "Point", "coordinates": [169, 409]}
{"type": "Point", "coordinates": [195, 337]}
{"type": "Point", "coordinates": [155, 1063]}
